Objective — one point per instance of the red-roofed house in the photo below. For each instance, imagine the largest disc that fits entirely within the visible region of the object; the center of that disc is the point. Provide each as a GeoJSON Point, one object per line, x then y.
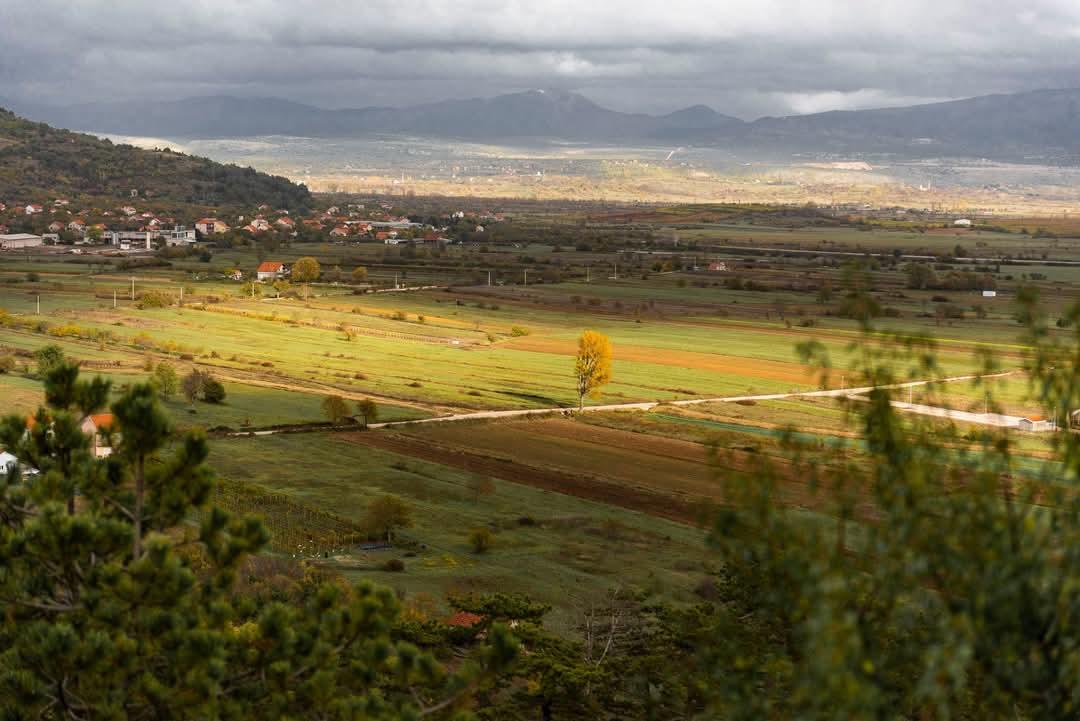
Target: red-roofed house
{"type": "Point", "coordinates": [340, 231]}
{"type": "Point", "coordinates": [97, 426]}
{"type": "Point", "coordinates": [33, 209]}
{"type": "Point", "coordinates": [270, 270]}
{"type": "Point", "coordinates": [211, 226]}
{"type": "Point", "coordinates": [286, 223]}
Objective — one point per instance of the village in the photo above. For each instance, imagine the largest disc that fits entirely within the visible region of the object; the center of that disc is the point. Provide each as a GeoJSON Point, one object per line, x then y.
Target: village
{"type": "Point", "coordinates": [129, 229]}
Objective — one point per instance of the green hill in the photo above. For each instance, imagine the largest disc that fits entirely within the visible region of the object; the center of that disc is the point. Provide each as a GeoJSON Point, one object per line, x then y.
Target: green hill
{"type": "Point", "coordinates": [39, 162]}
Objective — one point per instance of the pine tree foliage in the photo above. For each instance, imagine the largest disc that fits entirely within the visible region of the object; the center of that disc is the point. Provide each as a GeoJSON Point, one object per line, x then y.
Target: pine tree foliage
{"type": "Point", "coordinates": [117, 609]}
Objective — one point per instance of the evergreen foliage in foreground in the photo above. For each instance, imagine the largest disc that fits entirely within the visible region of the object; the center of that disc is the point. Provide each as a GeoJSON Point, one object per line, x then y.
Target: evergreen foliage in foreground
{"type": "Point", "coordinates": [947, 586]}
{"type": "Point", "coordinates": [113, 609]}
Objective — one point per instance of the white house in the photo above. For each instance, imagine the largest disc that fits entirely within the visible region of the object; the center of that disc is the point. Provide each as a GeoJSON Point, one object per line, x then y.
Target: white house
{"type": "Point", "coordinates": [7, 462]}
{"type": "Point", "coordinates": [962, 223]}
{"type": "Point", "coordinates": [179, 235]}
{"type": "Point", "coordinates": [15, 241]}
{"type": "Point", "coordinates": [211, 226]}
{"type": "Point", "coordinates": [1035, 424]}
{"type": "Point", "coordinates": [34, 209]}
{"type": "Point", "coordinates": [97, 426]}
{"type": "Point", "coordinates": [270, 270]}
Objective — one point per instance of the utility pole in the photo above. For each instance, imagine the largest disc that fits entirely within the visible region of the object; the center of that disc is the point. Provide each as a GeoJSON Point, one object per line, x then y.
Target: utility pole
{"type": "Point", "coordinates": [526, 277]}
{"type": "Point", "coordinates": [114, 298]}
{"type": "Point", "coordinates": [181, 295]}
{"type": "Point", "coordinates": [489, 279]}
{"type": "Point", "coordinates": [39, 304]}
{"type": "Point", "coordinates": [133, 287]}
{"type": "Point", "coordinates": [616, 270]}
{"type": "Point", "coordinates": [588, 274]}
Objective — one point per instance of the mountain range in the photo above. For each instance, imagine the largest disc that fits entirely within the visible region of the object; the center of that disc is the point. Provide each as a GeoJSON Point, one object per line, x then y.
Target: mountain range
{"type": "Point", "coordinates": [1042, 123]}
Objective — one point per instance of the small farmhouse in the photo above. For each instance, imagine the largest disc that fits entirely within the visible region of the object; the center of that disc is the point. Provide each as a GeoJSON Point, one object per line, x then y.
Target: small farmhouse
{"type": "Point", "coordinates": [962, 223]}
{"type": "Point", "coordinates": [270, 270]}
{"type": "Point", "coordinates": [99, 426]}
{"type": "Point", "coordinates": [1035, 424]}
{"type": "Point", "coordinates": [211, 226]}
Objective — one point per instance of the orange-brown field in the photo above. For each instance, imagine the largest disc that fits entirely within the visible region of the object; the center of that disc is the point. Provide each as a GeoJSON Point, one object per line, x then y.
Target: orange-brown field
{"type": "Point", "coordinates": [656, 475]}
{"type": "Point", "coordinates": [712, 362]}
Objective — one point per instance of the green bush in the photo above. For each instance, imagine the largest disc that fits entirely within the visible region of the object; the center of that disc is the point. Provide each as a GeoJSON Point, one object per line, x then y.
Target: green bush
{"type": "Point", "coordinates": [481, 539]}
{"type": "Point", "coordinates": [154, 299]}
{"type": "Point", "coordinates": [213, 391]}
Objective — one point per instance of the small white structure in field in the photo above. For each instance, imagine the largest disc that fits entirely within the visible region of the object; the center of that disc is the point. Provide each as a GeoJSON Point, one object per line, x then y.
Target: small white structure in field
{"type": "Point", "coordinates": [989, 294]}
{"type": "Point", "coordinates": [1035, 424]}
{"type": "Point", "coordinates": [962, 223]}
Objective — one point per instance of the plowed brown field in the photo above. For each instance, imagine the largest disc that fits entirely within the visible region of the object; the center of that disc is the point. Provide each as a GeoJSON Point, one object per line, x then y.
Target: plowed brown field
{"type": "Point", "coordinates": [664, 477]}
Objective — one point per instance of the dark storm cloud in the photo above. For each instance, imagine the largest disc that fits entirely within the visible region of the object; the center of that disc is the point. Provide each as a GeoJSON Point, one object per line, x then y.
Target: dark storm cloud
{"type": "Point", "coordinates": [746, 57]}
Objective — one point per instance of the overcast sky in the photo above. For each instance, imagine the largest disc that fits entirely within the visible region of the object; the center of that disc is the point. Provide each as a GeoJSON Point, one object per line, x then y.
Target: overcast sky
{"type": "Point", "coordinates": [743, 57]}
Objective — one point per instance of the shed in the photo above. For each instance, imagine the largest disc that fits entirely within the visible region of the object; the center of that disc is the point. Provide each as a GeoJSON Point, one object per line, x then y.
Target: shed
{"type": "Point", "coordinates": [1035, 424]}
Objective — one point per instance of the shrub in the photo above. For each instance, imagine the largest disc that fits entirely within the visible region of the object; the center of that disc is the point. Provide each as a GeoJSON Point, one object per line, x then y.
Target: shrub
{"type": "Point", "coordinates": [394, 565]}
{"type": "Point", "coordinates": [154, 299]}
{"type": "Point", "coordinates": [517, 331]}
{"type": "Point", "coordinates": [213, 391]}
{"type": "Point", "coordinates": [481, 539]}
{"type": "Point", "coordinates": [7, 363]}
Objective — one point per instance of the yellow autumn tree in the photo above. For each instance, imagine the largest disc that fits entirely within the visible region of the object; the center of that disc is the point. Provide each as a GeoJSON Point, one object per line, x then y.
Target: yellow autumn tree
{"type": "Point", "coordinates": [305, 271]}
{"type": "Point", "coordinates": [593, 365]}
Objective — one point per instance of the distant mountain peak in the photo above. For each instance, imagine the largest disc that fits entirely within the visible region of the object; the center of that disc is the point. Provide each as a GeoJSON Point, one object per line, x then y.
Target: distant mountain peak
{"type": "Point", "coordinates": [1039, 122]}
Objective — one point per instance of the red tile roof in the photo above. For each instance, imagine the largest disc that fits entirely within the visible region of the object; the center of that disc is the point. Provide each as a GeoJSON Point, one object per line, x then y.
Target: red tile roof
{"type": "Point", "coordinates": [464, 619]}
{"type": "Point", "coordinates": [103, 420]}
{"type": "Point", "coordinates": [269, 266]}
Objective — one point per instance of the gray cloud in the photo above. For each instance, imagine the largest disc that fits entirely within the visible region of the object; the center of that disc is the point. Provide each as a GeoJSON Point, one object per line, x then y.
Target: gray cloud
{"type": "Point", "coordinates": [745, 57]}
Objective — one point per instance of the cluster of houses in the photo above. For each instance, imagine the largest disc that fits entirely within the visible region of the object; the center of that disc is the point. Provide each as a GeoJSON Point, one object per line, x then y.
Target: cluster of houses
{"type": "Point", "coordinates": [100, 427]}
{"type": "Point", "coordinates": [129, 228]}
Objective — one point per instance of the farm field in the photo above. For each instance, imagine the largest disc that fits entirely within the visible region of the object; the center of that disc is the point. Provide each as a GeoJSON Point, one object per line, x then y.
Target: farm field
{"type": "Point", "coordinates": [579, 505]}
{"type": "Point", "coordinates": [555, 547]}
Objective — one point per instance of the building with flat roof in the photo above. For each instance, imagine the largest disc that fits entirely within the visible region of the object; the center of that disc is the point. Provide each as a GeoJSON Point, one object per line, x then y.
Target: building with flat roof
{"type": "Point", "coordinates": [15, 241]}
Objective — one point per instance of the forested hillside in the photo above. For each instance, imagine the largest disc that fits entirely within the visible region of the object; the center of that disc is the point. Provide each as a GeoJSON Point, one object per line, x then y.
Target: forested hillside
{"type": "Point", "coordinates": [39, 162]}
